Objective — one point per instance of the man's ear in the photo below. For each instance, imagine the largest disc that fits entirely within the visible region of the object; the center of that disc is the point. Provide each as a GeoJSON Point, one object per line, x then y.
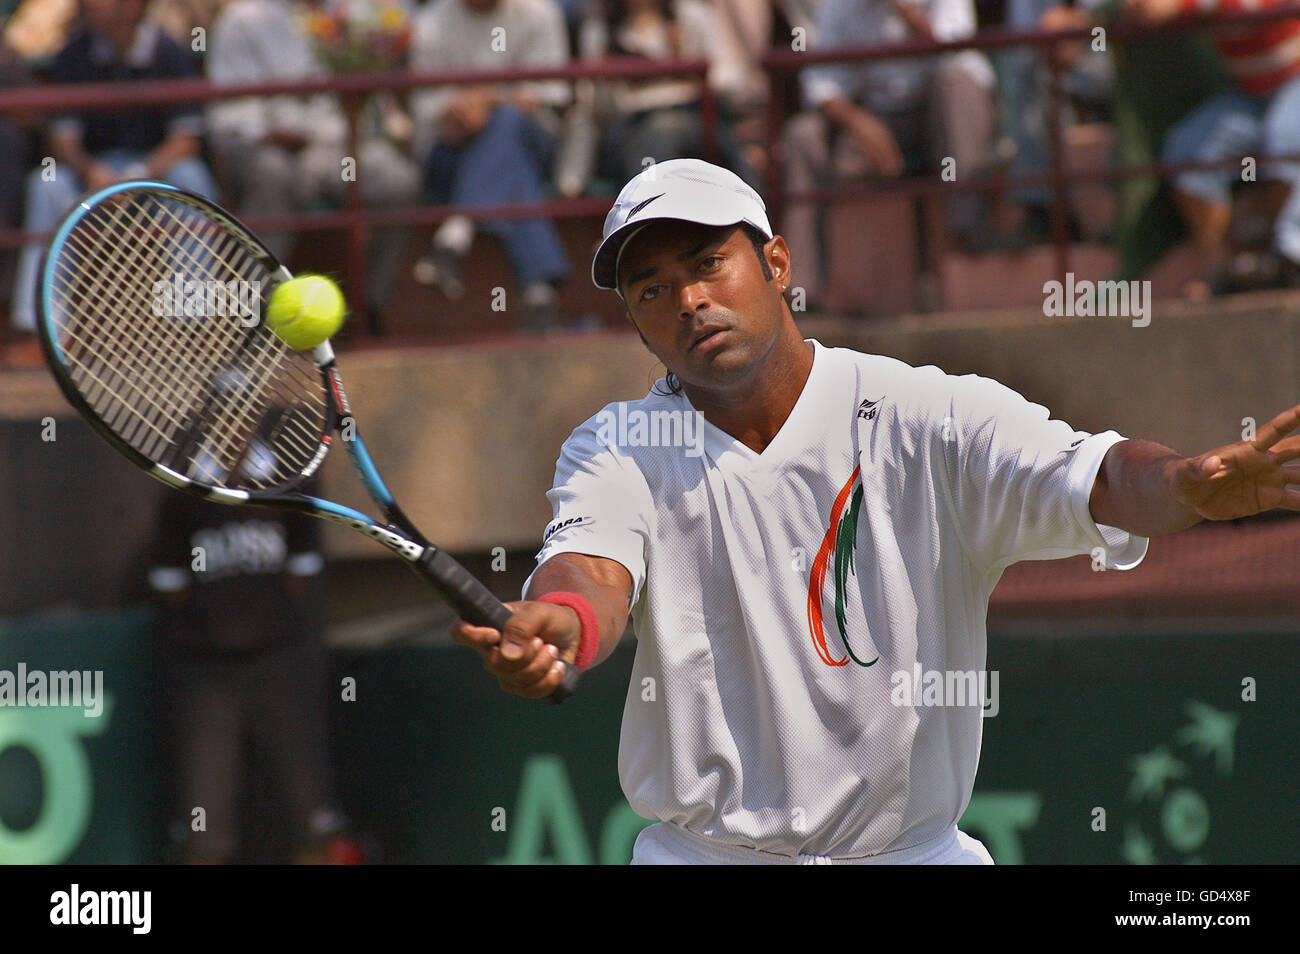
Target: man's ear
{"type": "Point", "coordinates": [778, 258]}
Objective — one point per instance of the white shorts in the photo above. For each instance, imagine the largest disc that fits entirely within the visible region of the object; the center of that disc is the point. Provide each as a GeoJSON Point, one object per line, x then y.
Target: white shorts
{"type": "Point", "coordinates": [665, 844]}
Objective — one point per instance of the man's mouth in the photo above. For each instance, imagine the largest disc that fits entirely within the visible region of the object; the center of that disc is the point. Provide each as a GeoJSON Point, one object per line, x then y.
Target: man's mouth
{"type": "Point", "coordinates": [705, 334]}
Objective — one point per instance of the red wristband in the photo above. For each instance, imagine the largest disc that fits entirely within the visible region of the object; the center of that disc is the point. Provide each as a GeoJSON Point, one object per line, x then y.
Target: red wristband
{"type": "Point", "coordinates": [590, 641]}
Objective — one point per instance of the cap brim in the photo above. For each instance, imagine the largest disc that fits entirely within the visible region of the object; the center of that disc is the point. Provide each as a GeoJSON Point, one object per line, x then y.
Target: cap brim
{"type": "Point", "coordinates": [711, 212]}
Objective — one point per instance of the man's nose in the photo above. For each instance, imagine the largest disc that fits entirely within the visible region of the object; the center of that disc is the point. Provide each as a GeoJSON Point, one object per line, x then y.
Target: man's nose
{"type": "Point", "coordinates": [693, 298]}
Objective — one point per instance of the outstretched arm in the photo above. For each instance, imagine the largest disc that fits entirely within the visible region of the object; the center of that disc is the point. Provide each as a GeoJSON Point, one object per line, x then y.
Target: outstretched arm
{"type": "Point", "coordinates": [1151, 490]}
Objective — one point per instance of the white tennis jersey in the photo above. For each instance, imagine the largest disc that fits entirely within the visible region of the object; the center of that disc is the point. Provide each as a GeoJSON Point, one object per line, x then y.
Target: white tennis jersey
{"type": "Point", "coordinates": [795, 609]}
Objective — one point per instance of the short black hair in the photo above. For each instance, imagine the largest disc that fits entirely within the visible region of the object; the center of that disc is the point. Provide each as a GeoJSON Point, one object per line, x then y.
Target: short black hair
{"type": "Point", "coordinates": [759, 241]}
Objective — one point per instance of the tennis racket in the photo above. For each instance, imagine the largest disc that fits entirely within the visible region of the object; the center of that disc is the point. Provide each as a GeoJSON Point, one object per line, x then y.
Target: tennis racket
{"type": "Point", "coordinates": [151, 301]}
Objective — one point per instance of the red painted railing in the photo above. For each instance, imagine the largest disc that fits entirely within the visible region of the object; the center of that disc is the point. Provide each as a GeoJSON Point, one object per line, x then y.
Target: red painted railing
{"type": "Point", "coordinates": [355, 220]}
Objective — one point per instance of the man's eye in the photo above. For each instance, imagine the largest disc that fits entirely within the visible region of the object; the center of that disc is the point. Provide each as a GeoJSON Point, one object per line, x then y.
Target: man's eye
{"type": "Point", "coordinates": [649, 292]}
{"type": "Point", "coordinates": [711, 262]}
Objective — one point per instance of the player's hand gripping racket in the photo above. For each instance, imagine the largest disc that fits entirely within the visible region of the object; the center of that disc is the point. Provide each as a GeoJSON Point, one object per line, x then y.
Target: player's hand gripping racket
{"type": "Point", "coordinates": [151, 302]}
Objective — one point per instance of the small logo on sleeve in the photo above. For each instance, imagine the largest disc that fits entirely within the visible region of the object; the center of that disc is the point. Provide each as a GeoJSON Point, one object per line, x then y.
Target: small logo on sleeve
{"type": "Point", "coordinates": [555, 526]}
{"type": "Point", "coordinates": [868, 408]}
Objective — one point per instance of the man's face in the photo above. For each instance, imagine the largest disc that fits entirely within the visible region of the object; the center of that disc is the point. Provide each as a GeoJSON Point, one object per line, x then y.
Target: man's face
{"type": "Point", "coordinates": [699, 298]}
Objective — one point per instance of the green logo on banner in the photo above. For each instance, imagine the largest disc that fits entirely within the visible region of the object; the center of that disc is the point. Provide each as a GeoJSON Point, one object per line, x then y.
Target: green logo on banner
{"type": "Point", "coordinates": [1159, 780]}
{"type": "Point", "coordinates": [545, 809]}
{"type": "Point", "coordinates": [53, 737]}
{"type": "Point", "coordinates": [998, 818]}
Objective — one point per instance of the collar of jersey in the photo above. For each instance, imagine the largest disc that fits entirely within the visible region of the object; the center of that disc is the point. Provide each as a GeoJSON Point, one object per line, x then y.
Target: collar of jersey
{"type": "Point", "coordinates": [724, 450]}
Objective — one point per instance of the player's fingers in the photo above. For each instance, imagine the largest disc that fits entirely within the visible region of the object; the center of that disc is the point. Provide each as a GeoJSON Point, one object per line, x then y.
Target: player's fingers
{"type": "Point", "coordinates": [517, 646]}
{"type": "Point", "coordinates": [476, 637]}
{"type": "Point", "coordinates": [524, 681]}
{"type": "Point", "coordinates": [1288, 449]}
{"type": "Point", "coordinates": [1278, 428]}
{"type": "Point", "coordinates": [546, 683]}
{"type": "Point", "coordinates": [547, 621]}
{"type": "Point", "coordinates": [511, 658]}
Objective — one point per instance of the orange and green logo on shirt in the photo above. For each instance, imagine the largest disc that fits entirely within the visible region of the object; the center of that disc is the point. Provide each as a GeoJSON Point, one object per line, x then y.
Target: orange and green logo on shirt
{"type": "Point", "coordinates": [840, 540]}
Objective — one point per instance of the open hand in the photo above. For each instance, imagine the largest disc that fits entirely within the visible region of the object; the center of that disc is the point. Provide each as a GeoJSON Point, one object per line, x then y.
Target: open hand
{"type": "Point", "coordinates": [1246, 478]}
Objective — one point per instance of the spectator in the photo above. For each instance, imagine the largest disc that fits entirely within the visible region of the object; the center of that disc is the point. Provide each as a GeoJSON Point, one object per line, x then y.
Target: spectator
{"type": "Point", "coordinates": [282, 154]}
{"type": "Point", "coordinates": [1087, 80]}
{"type": "Point", "coordinates": [241, 660]}
{"type": "Point", "coordinates": [1158, 81]}
{"type": "Point", "coordinates": [96, 148]}
{"type": "Point", "coordinates": [887, 117]}
{"type": "Point", "coordinates": [656, 118]}
{"type": "Point", "coordinates": [492, 143]}
{"type": "Point", "coordinates": [1258, 117]}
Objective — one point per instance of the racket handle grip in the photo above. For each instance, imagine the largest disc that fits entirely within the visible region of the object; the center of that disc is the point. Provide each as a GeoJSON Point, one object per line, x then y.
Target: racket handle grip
{"type": "Point", "coordinates": [478, 605]}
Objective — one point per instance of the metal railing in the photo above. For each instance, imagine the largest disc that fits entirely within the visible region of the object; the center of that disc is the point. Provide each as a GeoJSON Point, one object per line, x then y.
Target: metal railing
{"type": "Point", "coordinates": [356, 220]}
{"type": "Point", "coordinates": [352, 90]}
{"type": "Point", "coordinates": [1058, 177]}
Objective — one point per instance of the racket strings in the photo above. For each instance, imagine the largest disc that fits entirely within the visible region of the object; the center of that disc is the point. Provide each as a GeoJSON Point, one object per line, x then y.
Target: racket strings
{"type": "Point", "coordinates": [110, 387]}
{"type": "Point", "coordinates": [262, 359]}
{"type": "Point", "coordinates": [116, 370]}
{"type": "Point", "coordinates": [207, 391]}
{"type": "Point", "coordinates": [128, 387]}
{"type": "Point", "coordinates": [166, 366]}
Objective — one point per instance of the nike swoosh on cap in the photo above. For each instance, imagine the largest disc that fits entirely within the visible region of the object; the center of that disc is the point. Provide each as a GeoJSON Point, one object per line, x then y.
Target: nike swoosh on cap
{"type": "Point", "coordinates": [642, 205]}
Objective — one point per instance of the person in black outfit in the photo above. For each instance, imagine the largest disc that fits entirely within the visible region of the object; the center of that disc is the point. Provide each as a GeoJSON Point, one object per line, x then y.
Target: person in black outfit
{"type": "Point", "coordinates": [238, 630]}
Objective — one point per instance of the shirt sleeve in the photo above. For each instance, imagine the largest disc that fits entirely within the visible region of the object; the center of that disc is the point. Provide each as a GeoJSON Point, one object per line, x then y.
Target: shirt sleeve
{"type": "Point", "coordinates": [952, 19]}
{"type": "Point", "coordinates": [252, 47]}
{"type": "Point", "coordinates": [602, 506]}
{"type": "Point", "coordinates": [1021, 481]}
{"type": "Point", "coordinates": [232, 61]}
{"type": "Point", "coordinates": [548, 46]}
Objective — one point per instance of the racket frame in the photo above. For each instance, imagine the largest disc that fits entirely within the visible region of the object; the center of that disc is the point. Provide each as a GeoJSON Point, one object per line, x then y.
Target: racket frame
{"type": "Point", "coordinates": [466, 594]}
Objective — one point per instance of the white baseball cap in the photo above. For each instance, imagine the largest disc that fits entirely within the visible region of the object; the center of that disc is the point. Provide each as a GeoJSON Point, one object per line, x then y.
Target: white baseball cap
{"type": "Point", "coordinates": [690, 190]}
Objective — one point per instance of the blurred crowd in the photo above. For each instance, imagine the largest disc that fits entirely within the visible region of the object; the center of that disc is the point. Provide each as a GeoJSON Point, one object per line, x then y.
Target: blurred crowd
{"type": "Point", "coordinates": [959, 114]}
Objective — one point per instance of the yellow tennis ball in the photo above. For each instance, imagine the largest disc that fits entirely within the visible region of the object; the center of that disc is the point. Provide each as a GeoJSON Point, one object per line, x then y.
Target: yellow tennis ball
{"type": "Point", "coordinates": [305, 311]}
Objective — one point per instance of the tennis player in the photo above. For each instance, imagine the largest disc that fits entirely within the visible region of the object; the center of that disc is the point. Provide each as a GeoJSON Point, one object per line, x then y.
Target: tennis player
{"type": "Point", "coordinates": [837, 533]}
